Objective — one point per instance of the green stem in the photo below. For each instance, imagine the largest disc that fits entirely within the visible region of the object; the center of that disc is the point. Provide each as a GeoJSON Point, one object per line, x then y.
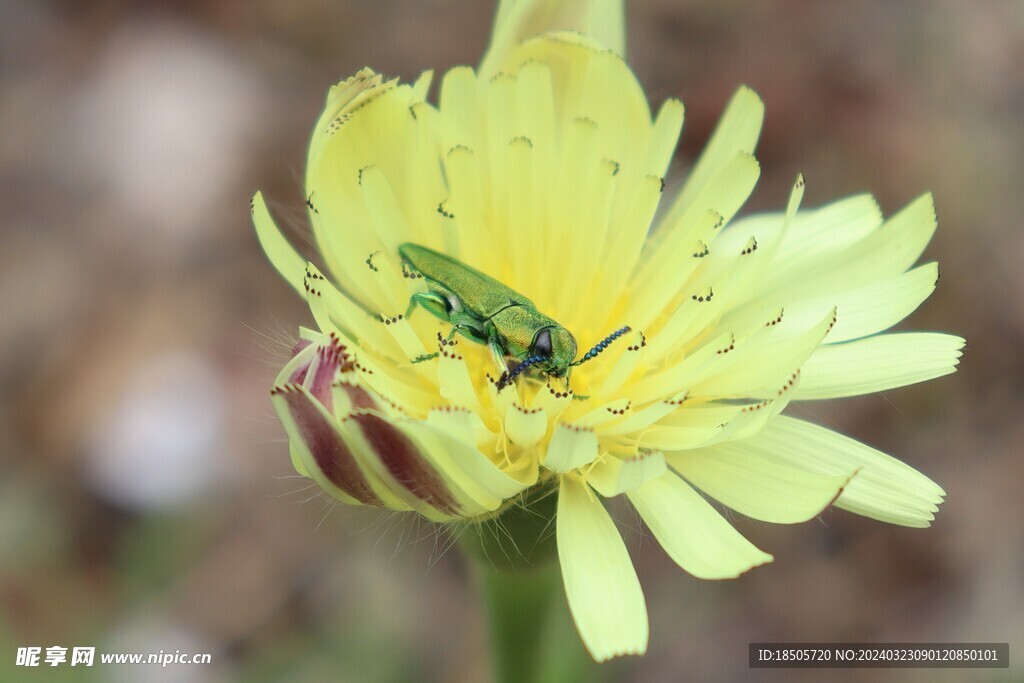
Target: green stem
{"type": "Point", "coordinates": [518, 609]}
{"type": "Point", "coordinates": [532, 639]}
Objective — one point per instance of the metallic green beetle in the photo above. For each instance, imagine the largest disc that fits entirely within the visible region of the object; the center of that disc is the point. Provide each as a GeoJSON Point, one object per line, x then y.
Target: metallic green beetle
{"type": "Point", "coordinates": [482, 309]}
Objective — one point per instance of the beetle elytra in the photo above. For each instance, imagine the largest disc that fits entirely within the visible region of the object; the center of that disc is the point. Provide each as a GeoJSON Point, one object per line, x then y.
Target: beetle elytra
{"type": "Point", "coordinates": [487, 312]}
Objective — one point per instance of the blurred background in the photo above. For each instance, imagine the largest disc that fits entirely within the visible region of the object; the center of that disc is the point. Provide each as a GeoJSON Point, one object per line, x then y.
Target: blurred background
{"type": "Point", "coordinates": [146, 496]}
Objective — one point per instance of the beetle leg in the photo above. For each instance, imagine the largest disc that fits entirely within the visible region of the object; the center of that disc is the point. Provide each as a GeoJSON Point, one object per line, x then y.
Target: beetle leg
{"type": "Point", "coordinates": [432, 302]}
{"type": "Point", "coordinates": [498, 354]}
{"type": "Point", "coordinates": [469, 331]}
{"type": "Point", "coordinates": [568, 388]}
{"type": "Point", "coordinates": [425, 357]}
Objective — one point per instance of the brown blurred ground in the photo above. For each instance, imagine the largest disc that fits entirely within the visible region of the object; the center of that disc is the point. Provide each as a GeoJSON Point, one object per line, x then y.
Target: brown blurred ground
{"type": "Point", "coordinates": [145, 493]}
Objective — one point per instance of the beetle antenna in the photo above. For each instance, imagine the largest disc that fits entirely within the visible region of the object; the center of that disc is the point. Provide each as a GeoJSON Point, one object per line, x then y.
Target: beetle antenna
{"type": "Point", "coordinates": [508, 377]}
{"type": "Point", "coordinates": [602, 345]}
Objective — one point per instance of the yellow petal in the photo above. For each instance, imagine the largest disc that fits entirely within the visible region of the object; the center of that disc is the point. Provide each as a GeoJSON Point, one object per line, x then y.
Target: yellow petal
{"type": "Point", "coordinates": [737, 131]}
{"type": "Point", "coordinates": [761, 364]}
{"type": "Point", "coordinates": [456, 384]}
{"type": "Point", "coordinates": [878, 363]}
{"type": "Point", "coordinates": [601, 585]}
{"type": "Point", "coordinates": [756, 486]}
{"type": "Point", "coordinates": [613, 476]}
{"type": "Point", "coordinates": [518, 20]}
{"type": "Point", "coordinates": [284, 258]}
{"type": "Point", "coordinates": [525, 426]}
{"type": "Point", "coordinates": [692, 532]}
{"type": "Point", "coordinates": [552, 401]}
{"type": "Point", "coordinates": [623, 366]}
{"type": "Point", "coordinates": [570, 447]}
{"type": "Point", "coordinates": [883, 488]}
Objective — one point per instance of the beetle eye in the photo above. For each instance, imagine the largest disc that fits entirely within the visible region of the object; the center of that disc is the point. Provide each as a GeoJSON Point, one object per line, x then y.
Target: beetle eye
{"type": "Point", "coordinates": [542, 343]}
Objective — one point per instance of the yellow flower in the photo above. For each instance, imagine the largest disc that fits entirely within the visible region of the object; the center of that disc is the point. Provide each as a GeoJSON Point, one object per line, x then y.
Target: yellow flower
{"type": "Point", "coordinates": [545, 170]}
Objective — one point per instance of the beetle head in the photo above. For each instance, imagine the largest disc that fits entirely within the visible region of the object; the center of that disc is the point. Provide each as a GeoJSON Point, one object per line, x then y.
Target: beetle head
{"type": "Point", "coordinates": [557, 346]}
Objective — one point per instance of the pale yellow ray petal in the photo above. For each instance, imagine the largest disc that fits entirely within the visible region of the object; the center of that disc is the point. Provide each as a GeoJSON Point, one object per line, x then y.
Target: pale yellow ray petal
{"type": "Point", "coordinates": [331, 308]}
{"type": "Point", "coordinates": [335, 168]}
{"type": "Point", "coordinates": [678, 437]}
{"type": "Point", "coordinates": [816, 234]}
{"type": "Point", "coordinates": [583, 263]}
{"type": "Point", "coordinates": [282, 255]}
{"type": "Point", "coordinates": [502, 401]}
{"type": "Point", "coordinates": [754, 416]}
{"type": "Point", "coordinates": [406, 338]}
{"type": "Point", "coordinates": [461, 424]}
{"type": "Point", "coordinates": [637, 420]}
{"type": "Point", "coordinates": [737, 131]}
{"type": "Point", "coordinates": [623, 367]}
{"type": "Point", "coordinates": [698, 424]}
{"type": "Point", "coordinates": [750, 418]}
{"type": "Point", "coordinates": [871, 308]}
{"type": "Point", "coordinates": [668, 124]}
{"type": "Point", "coordinates": [468, 211]}
{"type": "Point", "coordinates": [387, 219]}
{"type": "Point", "coordinates": [350, 261]}
{"type": "Point", "coordinates": [389, 132]}
{"type": "Point", "coordinates": [535, 113]}
{"type": "Point", "coordinates": [878, 363]}
{"type": "Point", "coordinates": [497, 149]}
{"type": "Point", "coordinates": [747, 266]}
{"type": "Point", "coordinates": [525, 426]}
{"type": "Point", "coordinates": [422, 86]}
{"type": "Point", "coordinates": [523, 211]}
{"type": "Point", "coordinates": [570, 223]}
{"type": "Point", "coordinates": [884, 253]}
{"type": "Point", "coordinates": [461, 123]}
{"type": "Point", "coordinates": [635, 208]}
{"type": "Point", "coordinates": [692, 532]}
{"type": "Point", "coordinates": [604, 414]}
{"type": "Point", "coordinates": [883, 488]}
{"type": "Point", "coordinates": [756, 486]}
{"type": "Point", "coordinates": [698, 311]}
{"type": "Point", "coordinates": [861, 311]}
{"type": "Point", "coordinates": [552, 401]}
{"type": "Point", "coordinates": [589, 81]}
{"type": "Point", "coordinates": [655, 289]}
{"type": "Point", "coordinates": [300, 467]}
{"type": "Point", "coordinates": [897, 245]}
{"type": "Point", "coordinates": [601, 585]}
{"type": "Point", "coordinates": [701, 363]}
{"type": "Point", "coordinates": [518, 20]}
{"type": "Point", "coordinates": [611, 95]}
{"type": "Point", "coordinates": [570, 447]}
{"type": "Point", "coordinates": [615, 475]}
{"type": "Point", "coordinates": [662, 273]}
{"type": "Point", "coordinates": [762, 363]}
{"type": "Point", "coordinates": [342, 99]}
{"type": "Point", "coordinates": [456, 385]}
